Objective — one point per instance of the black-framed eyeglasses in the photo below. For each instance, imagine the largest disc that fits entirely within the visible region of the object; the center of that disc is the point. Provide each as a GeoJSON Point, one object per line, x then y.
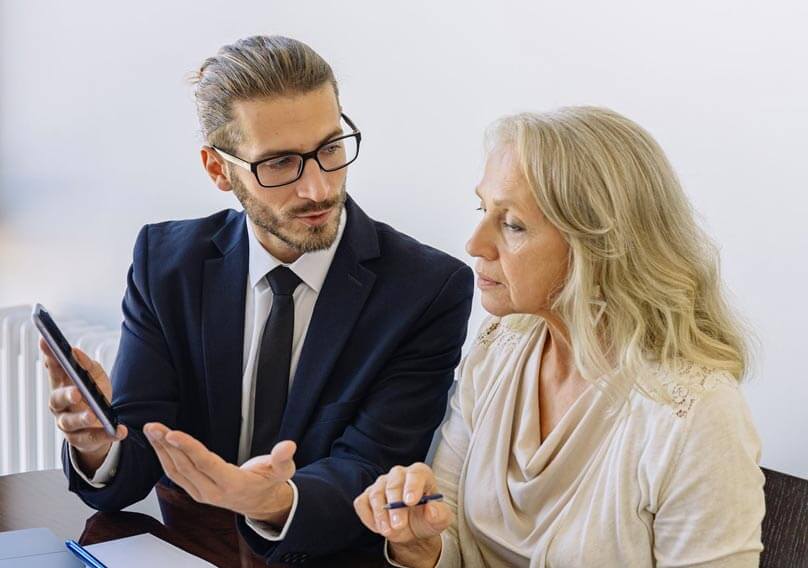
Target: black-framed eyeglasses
{"type": "Point", "coordinates": [288, 167]}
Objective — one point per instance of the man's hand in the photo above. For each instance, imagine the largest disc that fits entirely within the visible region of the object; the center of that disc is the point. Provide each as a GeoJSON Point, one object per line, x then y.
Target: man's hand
{"type": "Point", "coordinates": [258, 489]}
{"type": "Point", "coordinates": [82, 430]}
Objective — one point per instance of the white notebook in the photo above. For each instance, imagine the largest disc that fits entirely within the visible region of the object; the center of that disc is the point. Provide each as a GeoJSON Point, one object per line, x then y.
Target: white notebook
{"type": "Point", "coordinates": [143, 550]}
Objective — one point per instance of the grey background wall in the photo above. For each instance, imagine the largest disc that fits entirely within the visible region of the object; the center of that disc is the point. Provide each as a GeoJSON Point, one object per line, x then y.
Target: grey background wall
{"type": "Point", "coordinates": [98, 134]}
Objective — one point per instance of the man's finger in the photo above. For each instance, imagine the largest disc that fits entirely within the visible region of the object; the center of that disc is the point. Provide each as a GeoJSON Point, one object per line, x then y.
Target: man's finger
{"type": "Point", "coordinates": [169, 468]}
{"type": "Point", "coordinates": [74, 421]}
{"type": "Point", "coordinates": [121, 432]}
{"type": "Point", "coordinates": [63, 398]}
{"type": "Point", "coordinates": [283, 451]}
{"type": "Point", "coordinates": [283, 464]}
{"type": "Point", "coordinates": [56, 375]}
{"type": "Point", "coordinates": [195, 451]}
{"type": "Point", "coordinates": [88, 440]}
{"type": "Point", "coordinates": [206, 487]}
{"type": "Point", "coordinates": [93, 367]}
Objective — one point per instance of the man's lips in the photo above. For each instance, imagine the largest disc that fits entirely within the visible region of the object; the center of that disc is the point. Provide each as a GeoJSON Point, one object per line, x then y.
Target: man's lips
{"type": "Point", "coordinates": [316, 217]}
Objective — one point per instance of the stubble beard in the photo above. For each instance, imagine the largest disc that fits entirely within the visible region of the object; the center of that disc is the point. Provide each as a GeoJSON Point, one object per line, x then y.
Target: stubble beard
{"type": "Point", "coordinates": [310, 239]}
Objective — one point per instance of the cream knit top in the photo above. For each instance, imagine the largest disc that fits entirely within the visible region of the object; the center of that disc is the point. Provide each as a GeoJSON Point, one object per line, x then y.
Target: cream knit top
{"type": "Point", "coordinates": [621, 481]}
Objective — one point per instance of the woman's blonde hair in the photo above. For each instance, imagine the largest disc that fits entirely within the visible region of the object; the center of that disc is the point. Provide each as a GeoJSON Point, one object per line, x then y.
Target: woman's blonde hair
{"type": "Point", "coordinates": [643, 281]}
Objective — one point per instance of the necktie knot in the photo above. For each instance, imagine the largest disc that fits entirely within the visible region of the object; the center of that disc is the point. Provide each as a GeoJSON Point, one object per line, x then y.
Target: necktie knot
{"type": "Point", "coordinates": [282, 281]}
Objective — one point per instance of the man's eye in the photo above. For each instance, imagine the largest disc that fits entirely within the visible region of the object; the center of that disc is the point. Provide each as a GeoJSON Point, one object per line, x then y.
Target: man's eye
{"type": "Point", "coordinates": [331, 148]}
{"type": "Point", "coordinates": [280, 163]}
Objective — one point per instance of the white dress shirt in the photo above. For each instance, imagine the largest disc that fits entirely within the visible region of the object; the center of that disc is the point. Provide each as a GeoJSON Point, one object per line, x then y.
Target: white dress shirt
{"type": "Point", "coordinates": [312, 269]}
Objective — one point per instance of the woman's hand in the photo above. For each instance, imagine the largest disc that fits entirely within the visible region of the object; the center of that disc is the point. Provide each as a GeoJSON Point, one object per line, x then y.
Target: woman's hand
{"type": "Point", "coordinates": [413, 532]}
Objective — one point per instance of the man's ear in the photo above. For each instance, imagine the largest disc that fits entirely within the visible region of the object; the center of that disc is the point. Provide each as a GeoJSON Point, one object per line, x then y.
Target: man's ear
{"type": "Point", "coordinates": [214, 166]}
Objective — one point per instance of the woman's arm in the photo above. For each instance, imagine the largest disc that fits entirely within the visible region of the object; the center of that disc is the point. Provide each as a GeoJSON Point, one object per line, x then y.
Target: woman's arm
{"type": "Point", "coordinates": [711, 506]}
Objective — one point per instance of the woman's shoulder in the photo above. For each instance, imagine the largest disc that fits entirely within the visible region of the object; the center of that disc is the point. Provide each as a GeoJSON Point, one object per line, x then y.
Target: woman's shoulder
{"type": "Point", "coordinates": [694, 404]}
{"type": "Point", "coordinates": [685, 388]}
{"type": "Point", "coordinates": [697, 420]}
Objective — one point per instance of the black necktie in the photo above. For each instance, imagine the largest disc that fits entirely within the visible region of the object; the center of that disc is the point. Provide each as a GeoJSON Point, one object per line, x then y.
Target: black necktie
{"type": "Point", "coordinates": [274, 360]}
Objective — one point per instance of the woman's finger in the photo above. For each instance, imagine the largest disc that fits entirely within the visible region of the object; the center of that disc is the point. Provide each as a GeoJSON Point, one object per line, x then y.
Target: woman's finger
{"type": "Point", "coordinates": [416, 483]}
{"type": "Point", "coordinates": [365, 512]}
{"type": "Point", "coordinates": [376, 494]}
{"type": "Point", "coordinates": [394, 491]}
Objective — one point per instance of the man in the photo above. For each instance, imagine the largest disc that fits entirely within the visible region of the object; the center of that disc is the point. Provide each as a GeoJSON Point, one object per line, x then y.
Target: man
{"type": "Point", "coordinates": [275, 363]}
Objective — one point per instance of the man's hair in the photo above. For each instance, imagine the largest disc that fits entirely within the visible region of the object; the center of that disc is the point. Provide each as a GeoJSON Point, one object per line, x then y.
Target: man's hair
{"type": "Point", "coordinates": [253, 68]}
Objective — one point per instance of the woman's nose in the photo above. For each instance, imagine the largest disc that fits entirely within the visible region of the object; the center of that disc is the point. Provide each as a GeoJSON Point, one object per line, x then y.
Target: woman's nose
{"type": "Point", "coordinates": [480, 244]}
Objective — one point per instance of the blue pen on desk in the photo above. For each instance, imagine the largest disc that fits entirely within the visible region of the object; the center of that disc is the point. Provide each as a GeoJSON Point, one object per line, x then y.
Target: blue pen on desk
{"type": "Point", "coordinates": [423, 500]}
{"type": "Point", "coordinates": [83, 554]}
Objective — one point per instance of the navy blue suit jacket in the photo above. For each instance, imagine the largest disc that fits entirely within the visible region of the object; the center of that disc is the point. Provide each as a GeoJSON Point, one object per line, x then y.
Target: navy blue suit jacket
{"type": "Point", "coordinates": [370, 387]}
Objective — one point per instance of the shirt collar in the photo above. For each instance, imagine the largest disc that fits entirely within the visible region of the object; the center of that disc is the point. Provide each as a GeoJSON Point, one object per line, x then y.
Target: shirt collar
{"type": "Point", "coordinates": [311, 267]}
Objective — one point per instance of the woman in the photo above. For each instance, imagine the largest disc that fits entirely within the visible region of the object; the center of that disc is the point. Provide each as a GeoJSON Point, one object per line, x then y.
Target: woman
{"type": "Point", "coordinates": [597, 419]}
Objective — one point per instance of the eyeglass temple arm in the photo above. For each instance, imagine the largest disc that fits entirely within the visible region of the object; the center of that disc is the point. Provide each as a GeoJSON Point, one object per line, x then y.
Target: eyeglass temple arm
{"type": "Point", "coordinates": [232, 159]}
{"type": "Point", "coordinates": [349, 121]}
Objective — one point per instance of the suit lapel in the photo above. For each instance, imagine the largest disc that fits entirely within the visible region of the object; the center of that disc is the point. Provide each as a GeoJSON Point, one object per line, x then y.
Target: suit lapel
{"type": "Point", "coordinates": [223, 297]}
{"type": "Point", "coordinates": [338, 306]}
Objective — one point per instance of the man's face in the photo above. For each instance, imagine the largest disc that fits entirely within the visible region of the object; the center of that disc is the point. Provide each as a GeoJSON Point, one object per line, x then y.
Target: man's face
{"type": "Point", "coordinates": [302, 216]}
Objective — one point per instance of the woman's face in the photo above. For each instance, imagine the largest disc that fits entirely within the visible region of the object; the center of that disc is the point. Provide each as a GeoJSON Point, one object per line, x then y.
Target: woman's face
{"type": "Point", "coordinates": [522, 259]}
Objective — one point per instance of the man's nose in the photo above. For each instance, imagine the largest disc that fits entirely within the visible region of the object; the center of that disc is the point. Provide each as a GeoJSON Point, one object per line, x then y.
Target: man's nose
{"type": "Point", "coordinates": [312, 184]}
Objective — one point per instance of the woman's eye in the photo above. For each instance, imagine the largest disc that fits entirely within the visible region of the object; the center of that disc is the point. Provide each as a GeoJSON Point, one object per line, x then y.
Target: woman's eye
{"type": "Point", "coordinates": [513, 228]}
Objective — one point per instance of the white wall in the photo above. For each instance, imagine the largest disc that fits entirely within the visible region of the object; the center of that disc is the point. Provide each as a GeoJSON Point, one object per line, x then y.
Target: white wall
{"type": "Point", "coordinates": [98, 134]}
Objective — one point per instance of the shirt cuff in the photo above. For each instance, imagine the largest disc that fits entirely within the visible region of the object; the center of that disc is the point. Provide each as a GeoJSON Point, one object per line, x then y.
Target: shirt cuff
{"type": "Point", "coordinates": [106, 470]}
{"type": "Point", "coordinates": [267, 531]}
{"type": "Point", "coordinates": [397, 565]}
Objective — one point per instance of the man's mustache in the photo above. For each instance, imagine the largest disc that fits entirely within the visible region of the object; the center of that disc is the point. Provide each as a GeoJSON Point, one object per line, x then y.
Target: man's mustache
{"type": "Point", "coordinates": [316, 207]}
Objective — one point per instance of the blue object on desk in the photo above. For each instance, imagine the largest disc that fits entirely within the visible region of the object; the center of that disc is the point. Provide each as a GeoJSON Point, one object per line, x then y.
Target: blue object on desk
{"type": "Point", "coordinates": [83, 555]}
{"type": "Point", "coordinates": [34, 548]}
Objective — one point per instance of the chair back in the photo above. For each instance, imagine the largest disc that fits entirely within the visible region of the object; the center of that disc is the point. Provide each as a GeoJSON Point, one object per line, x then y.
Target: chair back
{"type": "Point", "coordinates": [785, 526]}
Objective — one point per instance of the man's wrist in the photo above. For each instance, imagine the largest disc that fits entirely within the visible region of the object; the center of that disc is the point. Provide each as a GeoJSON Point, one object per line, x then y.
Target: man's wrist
{"type": "Point", "coordinates": [422, 553]}
{"type": "Point", "coordinates": [277, 515]}
{"type": "Point", "coordinates": [89, 462]}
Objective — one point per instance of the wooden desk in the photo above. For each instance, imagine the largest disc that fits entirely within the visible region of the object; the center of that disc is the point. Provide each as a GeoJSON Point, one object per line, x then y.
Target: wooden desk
{"type": "Point", "coordinates": [41, 499]}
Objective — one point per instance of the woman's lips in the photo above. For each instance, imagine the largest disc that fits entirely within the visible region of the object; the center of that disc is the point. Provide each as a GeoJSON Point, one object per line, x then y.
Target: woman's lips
{"type": "Point", "coordinates": [316, 219]}
{"type": "Point", "coordinates": [483, 282]}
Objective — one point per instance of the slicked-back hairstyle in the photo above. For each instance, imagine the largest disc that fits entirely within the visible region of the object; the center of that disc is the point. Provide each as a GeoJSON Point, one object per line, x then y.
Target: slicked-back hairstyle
{"type": "Point", "coordinates": [253, 68]}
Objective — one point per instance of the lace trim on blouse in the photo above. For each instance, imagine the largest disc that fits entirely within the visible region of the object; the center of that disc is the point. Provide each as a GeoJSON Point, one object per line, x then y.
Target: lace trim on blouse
{"type": "Point", "coordinates": [689, 383]}
{"type": "Point", "coordinates": [680, 388]}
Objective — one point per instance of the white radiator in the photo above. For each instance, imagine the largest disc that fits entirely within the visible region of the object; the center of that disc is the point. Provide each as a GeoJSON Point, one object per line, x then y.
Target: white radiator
{"type": "Point", "coordinates": [29, 439]}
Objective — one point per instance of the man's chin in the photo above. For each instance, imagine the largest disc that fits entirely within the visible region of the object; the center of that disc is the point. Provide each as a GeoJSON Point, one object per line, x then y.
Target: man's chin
{"type": "Point", "coordinates": [312, 239]}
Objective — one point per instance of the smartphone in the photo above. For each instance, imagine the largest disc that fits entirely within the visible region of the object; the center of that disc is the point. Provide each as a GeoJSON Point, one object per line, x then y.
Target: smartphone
{"type": "Point", "coordinates": [95, 399]}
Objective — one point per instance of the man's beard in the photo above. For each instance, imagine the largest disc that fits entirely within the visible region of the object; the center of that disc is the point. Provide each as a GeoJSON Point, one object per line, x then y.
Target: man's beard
{"type": "Point", "coordinates": [280, 225]}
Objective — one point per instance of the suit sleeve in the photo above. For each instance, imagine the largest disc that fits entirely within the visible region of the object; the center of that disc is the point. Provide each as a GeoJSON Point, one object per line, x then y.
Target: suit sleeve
{"type": "Point", "coordinates": [394, 426]}
{"type": "Point", "coordinates": [144, 389]}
